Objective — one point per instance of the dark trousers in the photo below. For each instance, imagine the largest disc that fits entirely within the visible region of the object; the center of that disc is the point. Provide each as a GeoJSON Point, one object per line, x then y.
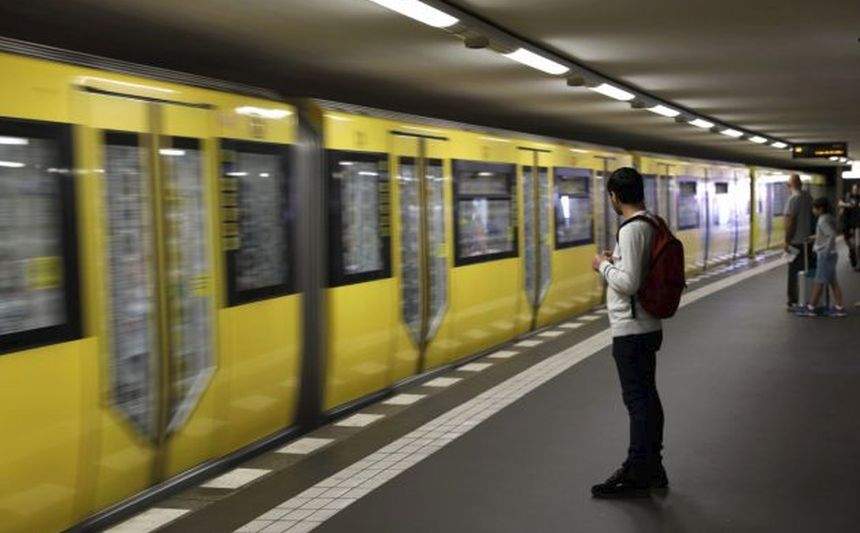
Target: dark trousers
{"type": "Point", "coordinates": [636, 359]}
{"type": "Point", "coordinates": [798, 265]}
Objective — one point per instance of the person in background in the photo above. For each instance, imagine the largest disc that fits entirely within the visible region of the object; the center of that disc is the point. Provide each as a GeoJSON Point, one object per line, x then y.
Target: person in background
{"type": "Point", "coordinates": [825, 270]}
{"type": "Point", "coordinates": [850, 209]}
{"type": "Point", "coordinates": [636, 338]}
{"type": "Point", "coordinates": [798, 227]}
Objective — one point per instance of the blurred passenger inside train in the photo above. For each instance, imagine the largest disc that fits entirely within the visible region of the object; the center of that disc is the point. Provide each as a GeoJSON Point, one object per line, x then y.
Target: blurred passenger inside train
{"type": "Point", "coordinates": [850, 214]}
{"type": "Point", "coordinates": [827, 257]}
{"type": "Point", "coordinates": [636, 338]}
{"type": "Point", "coordinates": [799, 226]}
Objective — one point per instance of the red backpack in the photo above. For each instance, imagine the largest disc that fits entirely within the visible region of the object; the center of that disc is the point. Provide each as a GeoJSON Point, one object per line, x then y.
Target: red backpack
{"type": "Point", "coordinates": [660, 291]}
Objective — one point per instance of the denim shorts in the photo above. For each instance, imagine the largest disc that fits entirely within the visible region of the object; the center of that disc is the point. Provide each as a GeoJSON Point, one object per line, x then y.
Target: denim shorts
{"type": "Point", "coordinates": [825, 269]}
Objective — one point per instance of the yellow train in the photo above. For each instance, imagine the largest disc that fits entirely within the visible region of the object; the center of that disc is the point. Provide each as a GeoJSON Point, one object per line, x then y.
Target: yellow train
{"type": "Point", "coordinates": [165, 301]}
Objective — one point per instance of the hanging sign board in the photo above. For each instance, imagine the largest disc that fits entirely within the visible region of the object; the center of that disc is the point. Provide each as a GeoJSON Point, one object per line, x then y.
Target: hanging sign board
{"type": "Point", "coordinates": [819, 150]}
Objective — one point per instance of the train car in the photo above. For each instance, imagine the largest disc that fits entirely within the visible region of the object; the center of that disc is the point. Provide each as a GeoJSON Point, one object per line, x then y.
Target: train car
{"type": "Point", "coordinates": [471, 237]}
{"type": "Point", "coordinates": [135, 344]}
{"type": "Point", "coordinates": [770, 192]}
{"type": "Point", "coordinates": [681, 198]}
{"type": "Point", "coordinates": [165, 303]}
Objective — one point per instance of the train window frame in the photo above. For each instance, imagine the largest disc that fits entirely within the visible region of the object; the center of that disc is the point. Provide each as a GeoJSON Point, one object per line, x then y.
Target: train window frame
{"type": "Point", "coordinates": [586, 175]}
{"type": "Point", "coordinates": [721, 187]}
{"type": "Point", "coordinates": [460, 165]}
{"type": "Point", "coordinates": [72, 328]}
{"type": "Point", "coordinates": [236, 296]}
{"type": "Point", "coordinates": [337, 275]}
{"type": "Point", "coordinates": [681, 184]}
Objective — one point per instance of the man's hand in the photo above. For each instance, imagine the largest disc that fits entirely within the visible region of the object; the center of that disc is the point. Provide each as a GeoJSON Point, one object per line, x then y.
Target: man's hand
{"type": "Point", "coordinates": [595, 263]}
{"type": "Point", "coordinates": [786, 247]}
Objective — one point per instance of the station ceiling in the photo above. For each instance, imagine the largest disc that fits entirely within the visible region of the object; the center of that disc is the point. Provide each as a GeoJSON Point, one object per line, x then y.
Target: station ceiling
{"type": "Point", "coordinates": [786, 68]}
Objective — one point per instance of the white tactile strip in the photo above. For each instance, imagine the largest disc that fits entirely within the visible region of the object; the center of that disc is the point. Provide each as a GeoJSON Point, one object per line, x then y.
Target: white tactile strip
{"type": "Point", "coordinates": [503, 354]}
{"type": "Point", "coordinates": [235, 478]}
{"type": "Point", "coordinates": [305, 446]}
{"type": "Point", "coordinates": [404, 399]}
{"type": "Point", "coordinates": [550, 334]}
{"type": "Point", "coordinates": [528, 343]}
{"type": "Point", "coordinates": [310, 508]}
{"type": "Point", "coordinates": [571, 325]}
{"type": "Point", "coordinates": [149, 520]}
{"type": "Point", "coordinates": [442, 382]}
{"type": "Point", "coordinates": [475, 367]}
{"type": "Point", "coordinates": [359, 420]}
{"type": "Point", "coordinates": [590, 318]}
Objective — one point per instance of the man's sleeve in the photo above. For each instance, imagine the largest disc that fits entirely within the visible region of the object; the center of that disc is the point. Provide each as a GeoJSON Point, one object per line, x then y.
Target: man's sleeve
{"type": "Point", "coordinates": [627, 276]}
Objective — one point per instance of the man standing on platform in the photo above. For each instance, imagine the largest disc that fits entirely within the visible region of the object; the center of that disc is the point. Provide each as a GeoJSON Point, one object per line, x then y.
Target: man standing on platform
{"type": "Point", "coordinates": [799, 225]}
{"type": "Point", "coordinates": [636, 338]}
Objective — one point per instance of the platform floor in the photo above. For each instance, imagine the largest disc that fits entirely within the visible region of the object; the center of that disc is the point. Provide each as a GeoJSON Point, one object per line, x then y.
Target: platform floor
{"type": "Point", "coordinates": [762, 434]}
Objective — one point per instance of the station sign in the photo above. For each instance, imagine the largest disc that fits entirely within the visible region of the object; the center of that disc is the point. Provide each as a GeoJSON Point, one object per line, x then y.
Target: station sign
{"type": "Point", "coordinates": [819, 150]}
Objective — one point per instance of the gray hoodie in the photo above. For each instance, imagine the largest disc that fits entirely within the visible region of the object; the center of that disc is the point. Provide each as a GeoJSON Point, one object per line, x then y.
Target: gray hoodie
{"type": "Point", "coordinates": [624, 275]}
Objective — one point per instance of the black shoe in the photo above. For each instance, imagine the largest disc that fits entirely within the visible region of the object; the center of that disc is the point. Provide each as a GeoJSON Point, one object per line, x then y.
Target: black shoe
{"type": "Point", "coordinates": [660, 479]}
{"type": "Point", "coordinates": [621, 485]}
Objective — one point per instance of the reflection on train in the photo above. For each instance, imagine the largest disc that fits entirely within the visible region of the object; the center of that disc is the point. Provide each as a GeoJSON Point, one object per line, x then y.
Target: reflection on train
{"type": "Point", "coordinates": [150, 307]}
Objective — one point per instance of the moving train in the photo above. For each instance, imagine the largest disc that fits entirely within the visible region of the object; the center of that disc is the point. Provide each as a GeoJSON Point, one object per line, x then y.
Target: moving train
{"type": "Point", "coordinates": [192, 269]}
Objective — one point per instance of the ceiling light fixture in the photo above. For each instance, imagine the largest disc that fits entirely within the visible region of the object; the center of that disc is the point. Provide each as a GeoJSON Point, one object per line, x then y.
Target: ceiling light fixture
{"type": "Point", "coordinates": [665, 111]}
{"type": "Point", "coordinates": [779, 144]}
{"type": "Point", "coordinates": [419, 11]}
{"type": "Point", "coordinates": [539, 62]}
{"type": "Point", "coordinates": [834, 158]}
{"type": "Point", "coordinates": [729, 132]}
{"type": "Point", "coordinates": [612, 91]}
{"type": "Point", "coordinates": [758, 139]}
{"type": "Point", "coordinates": [702, 123]}
{"type": "Point", "coordinates": [11, 164]}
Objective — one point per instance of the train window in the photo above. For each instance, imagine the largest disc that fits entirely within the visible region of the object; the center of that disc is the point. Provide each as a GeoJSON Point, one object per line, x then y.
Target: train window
{"type": "Point", "coordinates": [39, 299]}
{"type": "Point", "coordinates": [721, 188]}
{"type": "Point", "coordinates": [779, 194]}
{"type": "Point", "coordinates": [256, 220]}
{"type": "Point", "coordinates": [359, 217]}
{"type": "Point", "coordinates": [573, 220]}
{"type": "Point", "coordinates": [688, 205]}
{"type": "Point", "coordinates": [650, 185]}
{"type": "Point", "coordinates": [485, 212]}
{"type": "Point", "coordinates": [130, 245]}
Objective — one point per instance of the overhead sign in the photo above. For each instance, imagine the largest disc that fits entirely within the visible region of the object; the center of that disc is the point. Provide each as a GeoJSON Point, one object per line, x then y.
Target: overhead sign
{"type": "Point", "coordinates": [819, 150]}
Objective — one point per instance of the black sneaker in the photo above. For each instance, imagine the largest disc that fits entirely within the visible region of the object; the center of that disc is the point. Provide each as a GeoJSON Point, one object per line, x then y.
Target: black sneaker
{"type": "Point", "coordinates": [620, 485]}
{"type": "Point", "coordinates": [660, 479]}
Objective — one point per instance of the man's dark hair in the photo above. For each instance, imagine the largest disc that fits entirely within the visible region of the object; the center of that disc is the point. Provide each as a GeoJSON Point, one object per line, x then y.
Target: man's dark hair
{"type": "Point", "coordinates": [627, 185]}
{"type": "Point", "coordinates": [821, 203]}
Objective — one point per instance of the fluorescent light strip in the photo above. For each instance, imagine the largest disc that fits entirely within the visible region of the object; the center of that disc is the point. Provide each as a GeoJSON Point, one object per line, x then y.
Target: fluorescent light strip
{"type": "Point", "coordinates": [664, 111]}
{"type": "Point", "coordinates": [729, 132]}
{"type": "Point", "coordinates": [419, 11]}
{"type": "Point", "coordinates": [701, 123]}
{"type": "Point", "coordinates": [779, 144]}
{"type": "Point", "coordinates": [17, 141]}
{"type": "Point", "coordinates": [758, 139]}
{"type": "Point", "coordinates": [613, 92]}
{"type": "Point", "coordinates": [535, 61]}
{"type": "Point", "coordinates": [11, 164]}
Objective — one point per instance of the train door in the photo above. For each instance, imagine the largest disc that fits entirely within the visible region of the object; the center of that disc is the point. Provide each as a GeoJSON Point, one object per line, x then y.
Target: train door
{"type": "Point", "coordinates": [157, 304]}
{"type": "Point", "coordinates": [423, 254]}
{"type": "Point", "coordinates": [536, 229]}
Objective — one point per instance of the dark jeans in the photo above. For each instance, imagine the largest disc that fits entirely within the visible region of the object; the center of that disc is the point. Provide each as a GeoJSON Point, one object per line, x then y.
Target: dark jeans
{"type": "Point", "coordinates": [797, 265]}
{"type": "Point", "coordinates": [635, 357]}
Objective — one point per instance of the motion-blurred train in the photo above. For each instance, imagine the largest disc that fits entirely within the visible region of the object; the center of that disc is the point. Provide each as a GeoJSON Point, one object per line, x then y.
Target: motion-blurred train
{"type": "Point", "coordinates": [191, 270]}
